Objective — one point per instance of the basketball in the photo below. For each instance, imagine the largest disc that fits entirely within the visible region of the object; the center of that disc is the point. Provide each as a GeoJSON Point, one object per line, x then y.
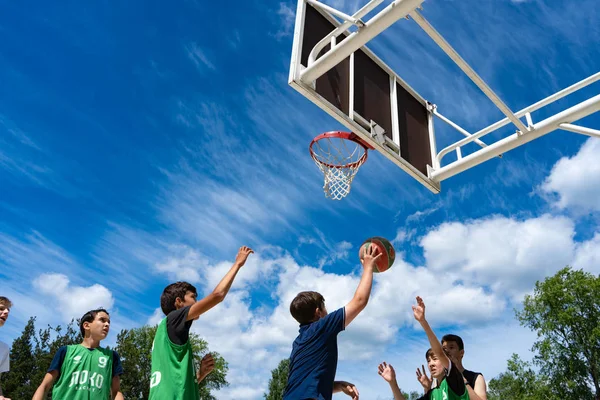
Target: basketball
{"type": "Point", "coordinates": [383, 246]}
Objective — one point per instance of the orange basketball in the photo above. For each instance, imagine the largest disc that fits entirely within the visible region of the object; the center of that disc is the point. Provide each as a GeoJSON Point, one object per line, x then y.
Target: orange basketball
{"type": "Point", "coordinates": [383, 246]}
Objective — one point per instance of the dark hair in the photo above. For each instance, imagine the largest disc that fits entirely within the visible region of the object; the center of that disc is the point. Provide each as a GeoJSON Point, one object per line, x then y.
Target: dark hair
{"type": "Point", "coordinates": [90, 316]}
{"type": "Point", "coordinates": [7, 303]}
{"type": "Point", "coordinates": [304, 304]}
{"type": "Point", "coordinates": [454, 338]}
{"type": "Point", "coordinates": [172, 292]}
{"type": "Point", "coordinates": [428, 354]}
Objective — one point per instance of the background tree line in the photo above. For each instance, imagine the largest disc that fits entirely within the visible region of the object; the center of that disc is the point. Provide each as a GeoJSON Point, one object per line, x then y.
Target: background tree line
{"type": "Point", "coordinates": [564, 312]}
{"type": "Point", "coordinates": [32, 353]}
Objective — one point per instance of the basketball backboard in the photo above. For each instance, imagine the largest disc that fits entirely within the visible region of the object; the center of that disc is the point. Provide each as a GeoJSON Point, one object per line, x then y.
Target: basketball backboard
{"type": "Point", "coordinates": [367, 97]}
{"type": "Point", "coordinates": [332, 67]}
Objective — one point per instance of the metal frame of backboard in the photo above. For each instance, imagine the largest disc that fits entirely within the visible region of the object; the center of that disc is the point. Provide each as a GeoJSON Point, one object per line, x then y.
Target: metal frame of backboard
{"type": "Point", "coordinates": [331, 51]}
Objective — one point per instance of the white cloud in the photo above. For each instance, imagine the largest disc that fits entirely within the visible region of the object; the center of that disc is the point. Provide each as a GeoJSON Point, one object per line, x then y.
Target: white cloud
{"type": "Point", "coordinates": [287, 17]}
{"type": "Point", "coordinates": [507, 254]}
{"type": "Point", "coordinates": [199, 57]}
{"type": "Point", "coordinates": [73, 301]}
{"type": "Point", "coordinates": [587, 255]}
{"type": "Point", "coordinates": [575, 181]}
{"type": "Point", "coordinates": [182, 264]}
{"type": "Point", "coordinates": [338, 252]}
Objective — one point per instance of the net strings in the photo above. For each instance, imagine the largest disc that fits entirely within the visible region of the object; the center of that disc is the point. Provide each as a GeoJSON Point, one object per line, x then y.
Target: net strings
{"type": "Point", "coordinates": [339, 160]}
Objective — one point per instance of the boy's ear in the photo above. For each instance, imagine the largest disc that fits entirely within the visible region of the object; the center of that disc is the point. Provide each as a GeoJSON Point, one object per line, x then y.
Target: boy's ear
{"type": "Point", "coordinates": [178, 302]}
{"type": "Point", "coordinates": [317, 314]}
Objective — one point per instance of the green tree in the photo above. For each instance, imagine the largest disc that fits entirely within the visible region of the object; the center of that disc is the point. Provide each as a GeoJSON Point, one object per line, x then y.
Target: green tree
{"type": "Point", "coordinates": [135, 347]}
{"type": "Point", "coordinates": [564, 311]}
{"type": "Point", "coordinates": [411, 396]}
{"type": "Point", "coordinates": [31, 355]}
{"type": "Point", "coordinates": [278, 381]}
{"type": "Point", "coordinates": [520, 382]}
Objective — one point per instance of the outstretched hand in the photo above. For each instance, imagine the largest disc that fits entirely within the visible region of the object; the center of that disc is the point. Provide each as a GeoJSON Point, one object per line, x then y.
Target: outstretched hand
{"type": "Point", "coordinates": [423, 379]}
{"type": "Point", "coordinates": [419, 310]}
{"type": "Point", "coordinates": [370, 256]}
{"type": "Point", "coordinates": [207, 365]}
{"type": "Point", "coordinates": [387, 372]}
{"type": "Point", "coordinates": [242, 256]}
{"type": "Point", "coordinates": [349, 389]}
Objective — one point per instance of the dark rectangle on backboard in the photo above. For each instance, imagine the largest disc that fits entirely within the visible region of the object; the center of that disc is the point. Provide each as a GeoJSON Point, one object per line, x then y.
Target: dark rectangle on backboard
{"type": "Point", "coordinates": [334, 85]}
{"type": "Point", "coordinates": [372, 99]}
{"type": "Point", "coordinates": [413, 126]}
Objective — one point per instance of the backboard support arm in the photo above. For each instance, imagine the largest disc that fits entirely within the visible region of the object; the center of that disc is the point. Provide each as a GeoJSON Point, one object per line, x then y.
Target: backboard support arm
{"type": "Point", "coordinates": [466, 68]}
{"type": "Point", "coordinates": [542, 128]}
{"type": "Point", "coordinates": [580, 129]}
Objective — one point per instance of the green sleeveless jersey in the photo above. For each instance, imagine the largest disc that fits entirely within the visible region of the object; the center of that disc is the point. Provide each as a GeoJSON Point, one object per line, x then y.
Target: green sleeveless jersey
{"type": "Point", "coordinates": [173, 376]}
{"type": "Point", "coordinates": [445, 392]}
{"type": "Point", "coordinates": [85, 374]}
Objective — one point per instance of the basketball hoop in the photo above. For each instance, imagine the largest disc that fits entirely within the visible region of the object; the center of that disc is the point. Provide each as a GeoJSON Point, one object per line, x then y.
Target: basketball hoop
{"type": "Point", "coordinates": [338, 155]}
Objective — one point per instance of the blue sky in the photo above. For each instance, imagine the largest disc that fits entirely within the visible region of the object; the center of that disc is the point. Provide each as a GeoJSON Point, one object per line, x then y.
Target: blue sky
{"type": "Point", "coordinates": [142, 143]}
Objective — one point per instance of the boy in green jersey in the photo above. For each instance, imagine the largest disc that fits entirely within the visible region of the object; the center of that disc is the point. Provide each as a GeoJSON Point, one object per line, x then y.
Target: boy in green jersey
{"type": "Point", "coordinates": [173, 376]}
{"type": "Point", "coordinates": [450, 382]}
{"type": "Point", "coordinates": [5, 305]}
{"type": "Point", "coordinates": [85, 371]}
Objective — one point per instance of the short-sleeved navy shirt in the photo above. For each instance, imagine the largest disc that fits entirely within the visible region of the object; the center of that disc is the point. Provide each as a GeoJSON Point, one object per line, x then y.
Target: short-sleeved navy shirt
{"type": "Point", "coordinates": [59, 358]}
{"type": "Point", "coordinates": [314, 357]}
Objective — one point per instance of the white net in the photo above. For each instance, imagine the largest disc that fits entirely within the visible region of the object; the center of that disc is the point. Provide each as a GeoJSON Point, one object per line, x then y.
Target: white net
{"type": "Point", "coordinates": [339, 159]}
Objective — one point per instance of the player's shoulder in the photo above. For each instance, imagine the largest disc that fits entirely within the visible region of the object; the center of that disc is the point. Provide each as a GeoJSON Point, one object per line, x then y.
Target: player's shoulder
{"type": "Point", "coordinates": [3, 346]}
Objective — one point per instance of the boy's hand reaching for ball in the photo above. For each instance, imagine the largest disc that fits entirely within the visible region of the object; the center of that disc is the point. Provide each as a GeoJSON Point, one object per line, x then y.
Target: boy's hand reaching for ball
{"type": "Point", "coordinates": [370, 257]}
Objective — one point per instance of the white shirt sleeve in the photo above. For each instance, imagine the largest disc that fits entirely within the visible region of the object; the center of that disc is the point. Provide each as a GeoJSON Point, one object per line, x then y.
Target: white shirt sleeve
{"type": "Point", "coordinates": [4, 357]}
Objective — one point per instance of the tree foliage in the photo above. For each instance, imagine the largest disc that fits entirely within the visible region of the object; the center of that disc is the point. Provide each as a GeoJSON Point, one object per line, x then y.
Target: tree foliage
{"type": "Point", "coordinates": [411, 396]}
{"type": "Point", "coordinates": [135, 347]}
{"type": "Point", "coordinates": [31, 355]}
{"type": "Point", "coordinates": [278, 381]}
{"type": "Point", "coordinates": [520, 382]}
{"type": "Point", "coordinates": [564, 311]}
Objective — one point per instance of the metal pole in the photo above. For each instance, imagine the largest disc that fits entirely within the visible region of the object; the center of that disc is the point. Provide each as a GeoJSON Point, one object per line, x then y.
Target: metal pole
{"type": "Point", "coordinates": [580, 129]}
{"type": "Point", "coordinates": [345, 17]}
{"type": "Point", "coordinates": [380, 22]}
{"type": "Point", "coordinates": [458, 128]}
{"type": "Point", "coordinates": [430, 30]}
{"type": "Point", "coordinates": [534, 107]}
{"type": "Point", "coordinates": [544, 127]}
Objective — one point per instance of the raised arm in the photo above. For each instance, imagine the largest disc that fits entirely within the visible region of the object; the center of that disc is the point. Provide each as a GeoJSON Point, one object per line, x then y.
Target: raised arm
{"type": "Point", "coordinates": [436, 346]}
{"type": "Point", "coordinates": [218, 295]}
{"type": "Point", "coordinates": [361, 296]}
{"type": "Point", "coordinates": [389, 375]}
{"type": "Point", "coordinates": [42, 390]}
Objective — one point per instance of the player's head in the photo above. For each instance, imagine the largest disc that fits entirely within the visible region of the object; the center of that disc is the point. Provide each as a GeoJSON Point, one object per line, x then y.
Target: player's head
{"type": "Point", "coordinates": [453, 346]}
{"type": "Point", "coordinates": [308, 307]}
{"type": "Point", "coordinates": [5, 306]}
{"type": "Point", "coordinates": [177, 295]}
{"type": "Point", "coordinates": [95, 324]}
{"type": "Point", "coordinates": [435, 365]}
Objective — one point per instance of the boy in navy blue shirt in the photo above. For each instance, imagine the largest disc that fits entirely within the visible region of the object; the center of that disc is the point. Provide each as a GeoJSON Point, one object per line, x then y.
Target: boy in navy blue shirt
{"type": "Point", "coordinates": [314, 357]}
